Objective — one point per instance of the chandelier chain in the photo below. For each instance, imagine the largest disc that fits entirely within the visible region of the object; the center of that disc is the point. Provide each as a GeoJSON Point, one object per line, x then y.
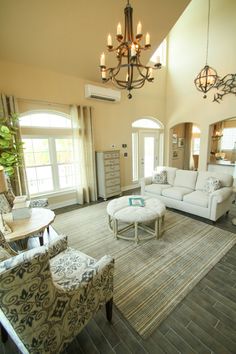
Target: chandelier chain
{"type": "Point", "coordinates": [208, 26]}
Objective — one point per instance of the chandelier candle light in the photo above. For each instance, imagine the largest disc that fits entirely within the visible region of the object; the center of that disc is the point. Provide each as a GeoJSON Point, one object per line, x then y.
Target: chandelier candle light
{"type": "Point", "coordinates": [129, 73]}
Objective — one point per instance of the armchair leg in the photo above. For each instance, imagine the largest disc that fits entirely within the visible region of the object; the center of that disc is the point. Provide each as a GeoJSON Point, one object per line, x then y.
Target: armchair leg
{"type": "Point", "coordinates": [109, 309]}
{"type": "Point", "coordinates": [4, 334]}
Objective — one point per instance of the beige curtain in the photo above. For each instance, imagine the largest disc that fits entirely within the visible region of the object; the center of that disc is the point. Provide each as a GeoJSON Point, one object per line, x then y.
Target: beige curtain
{"type": "Point", "coordinates": [84, 154]}
{"type": "Point", "coordinates": [8, 106]}
{"type": "Point", "coordinates": [188, 159]}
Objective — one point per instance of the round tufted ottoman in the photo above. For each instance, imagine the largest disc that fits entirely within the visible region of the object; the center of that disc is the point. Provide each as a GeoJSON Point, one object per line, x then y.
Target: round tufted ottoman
{"type": "Point", "coordinates": [120, 210]}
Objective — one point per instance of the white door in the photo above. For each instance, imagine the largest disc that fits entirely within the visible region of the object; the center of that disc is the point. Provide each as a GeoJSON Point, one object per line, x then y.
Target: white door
{"type": "Point", "coordinates": [148, 153]}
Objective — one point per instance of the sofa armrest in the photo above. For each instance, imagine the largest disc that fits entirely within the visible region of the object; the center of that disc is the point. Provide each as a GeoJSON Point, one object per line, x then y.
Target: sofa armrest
{"type": "Point", "coordinates": [222, 194]}
{"type": "Point", "coordinates": [22, 260]}
{"type": "Point", "coordinates": [145, 181]}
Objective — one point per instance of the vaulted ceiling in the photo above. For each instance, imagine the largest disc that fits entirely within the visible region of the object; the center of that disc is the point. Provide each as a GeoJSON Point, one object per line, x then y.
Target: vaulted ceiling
{"type": "Point", "coordinates": [69, 36]}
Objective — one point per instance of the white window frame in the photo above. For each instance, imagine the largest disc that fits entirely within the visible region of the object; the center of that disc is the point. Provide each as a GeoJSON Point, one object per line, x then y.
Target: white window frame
{"type": "Point", "coordinates": [51, 134]}
{"type": "Point", "coordinates": [53, 162]}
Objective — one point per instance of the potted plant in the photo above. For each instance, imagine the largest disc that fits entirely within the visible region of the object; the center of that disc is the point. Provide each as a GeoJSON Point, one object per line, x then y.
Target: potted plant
{"type": "Point", "coordinates": [11, 151]}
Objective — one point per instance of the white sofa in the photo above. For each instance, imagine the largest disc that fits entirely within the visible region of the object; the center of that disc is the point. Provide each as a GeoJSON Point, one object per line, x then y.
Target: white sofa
{"type": "Point", "coordinates": [185, 191]}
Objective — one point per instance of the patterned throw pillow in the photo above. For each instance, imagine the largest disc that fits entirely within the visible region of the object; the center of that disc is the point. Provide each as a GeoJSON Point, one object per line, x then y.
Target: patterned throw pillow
{"type": "Point", "coordinates": [160, 178]}
{"type": "Point", "coordinates": [212, 184]}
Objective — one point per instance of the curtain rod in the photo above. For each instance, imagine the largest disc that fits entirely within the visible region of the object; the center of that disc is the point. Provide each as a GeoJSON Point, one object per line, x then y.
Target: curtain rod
{"type": "Point", "coordinates": [45, 102]}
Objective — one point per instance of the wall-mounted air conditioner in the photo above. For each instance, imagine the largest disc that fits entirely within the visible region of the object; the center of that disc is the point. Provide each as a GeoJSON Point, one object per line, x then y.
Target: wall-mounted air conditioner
{"type": "Point", "coordinates": [102, 93]}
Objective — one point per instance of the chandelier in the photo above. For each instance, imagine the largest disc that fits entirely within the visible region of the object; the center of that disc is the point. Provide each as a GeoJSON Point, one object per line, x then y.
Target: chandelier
{"type": "Point", "coordinates": [207, 78]}
{"type": "Point", "coordinates": [129, 73]}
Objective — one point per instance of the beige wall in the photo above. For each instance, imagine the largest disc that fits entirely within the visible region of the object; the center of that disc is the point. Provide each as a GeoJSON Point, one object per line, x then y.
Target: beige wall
{"type": "Point", "coordinates": [112, 122]}
{"type": "Point", "coordinates": [186, 57]}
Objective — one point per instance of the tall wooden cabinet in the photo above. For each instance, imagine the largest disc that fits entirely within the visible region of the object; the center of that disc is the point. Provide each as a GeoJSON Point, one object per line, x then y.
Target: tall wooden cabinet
{"type": "Point", "coordinates": [108, 173]}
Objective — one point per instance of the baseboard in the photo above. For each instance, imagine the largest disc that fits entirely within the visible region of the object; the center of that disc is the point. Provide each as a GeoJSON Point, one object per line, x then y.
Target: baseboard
{"type": "Point", "coordinates": [74, 201]}
{"type": "Point", "coordinates": [62, 204]}
{"type": "Point", "coordinates": [127, 188]}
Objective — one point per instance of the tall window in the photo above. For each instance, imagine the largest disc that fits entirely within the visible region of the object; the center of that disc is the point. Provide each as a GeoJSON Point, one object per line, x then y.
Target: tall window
{"type": "Point", "coordinates": [196, 140]}
{"type": "Point", "coordinates": [228, 139]}
{"type": "Point", "coordinates": [48, 152]}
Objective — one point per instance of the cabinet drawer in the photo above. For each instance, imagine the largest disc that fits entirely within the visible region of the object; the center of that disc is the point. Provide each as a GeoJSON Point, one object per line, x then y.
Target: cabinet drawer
{"type": "Point", "coordinates": [111, 162]}
{"type": "Point", "coordinates": [112, 182]}
{"type": "Point", "coordinates": [111, 155]}
{"type": "Point", "coordinates": [114, 189]}
{"type": "Point", "coordinates": [112, 175]}
{"type": "Point", "coordinates": [112, 168]}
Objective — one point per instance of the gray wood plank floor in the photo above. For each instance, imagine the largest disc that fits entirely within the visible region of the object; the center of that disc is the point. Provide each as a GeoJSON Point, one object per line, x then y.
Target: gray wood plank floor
{"type": "Point", "coordinates": [204, 322]}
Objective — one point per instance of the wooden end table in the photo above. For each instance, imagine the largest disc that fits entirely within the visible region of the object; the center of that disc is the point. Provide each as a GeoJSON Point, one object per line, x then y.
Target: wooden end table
{"type": "Point", "coordinates": [39, 220]}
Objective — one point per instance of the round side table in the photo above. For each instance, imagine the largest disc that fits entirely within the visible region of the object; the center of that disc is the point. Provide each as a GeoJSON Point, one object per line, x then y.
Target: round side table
{"type": "Point", "coordinates": [39, 220]}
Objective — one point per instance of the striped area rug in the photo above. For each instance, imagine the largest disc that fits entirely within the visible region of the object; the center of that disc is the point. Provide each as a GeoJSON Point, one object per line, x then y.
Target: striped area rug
{"type": "Point", "coordinates": [151, 278]}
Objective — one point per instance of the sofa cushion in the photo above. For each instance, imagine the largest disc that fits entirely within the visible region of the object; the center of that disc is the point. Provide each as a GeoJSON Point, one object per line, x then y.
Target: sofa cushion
{"type": "Point", "coordinates": [212, 184]}
{"type": "Point", "coordinates": [199, 198]}
{"type": "Point", "coordinates": [171, 171]}
{"type": "Point", "coordinates": [156, 188]}
{"type": "Point", "coordinates": [225, 179]}
{"type": "Point", "coordinates": [185, 178]}
{"type": "Point", "coordinates": [176, 192]}
{"type": "Point", "coordinates": [159, 177]}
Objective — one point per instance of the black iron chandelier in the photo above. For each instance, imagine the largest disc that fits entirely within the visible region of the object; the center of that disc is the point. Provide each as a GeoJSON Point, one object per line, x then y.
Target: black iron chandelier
{"type": "Point", "coordinates": [129, 73]}
{"type": "Point", "coordinates": [207, 78]}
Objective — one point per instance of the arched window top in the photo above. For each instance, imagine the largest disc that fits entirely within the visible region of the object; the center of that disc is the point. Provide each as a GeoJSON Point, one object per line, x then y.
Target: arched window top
{"type": "Point", "coordinates": [147, 124]}
{"type": "Point", "coordinates": [45, 120]}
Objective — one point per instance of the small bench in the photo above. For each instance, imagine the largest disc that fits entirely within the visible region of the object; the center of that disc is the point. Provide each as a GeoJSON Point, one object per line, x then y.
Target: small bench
{"type": "Point", "coordinates": [136, 216]}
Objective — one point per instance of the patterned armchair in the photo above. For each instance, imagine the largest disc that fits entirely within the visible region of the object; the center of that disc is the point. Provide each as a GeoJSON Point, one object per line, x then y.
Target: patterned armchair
{"type": "Point", "coordinates": [48, 294]}
{"type": "Point", "coordinates": [7, 198]}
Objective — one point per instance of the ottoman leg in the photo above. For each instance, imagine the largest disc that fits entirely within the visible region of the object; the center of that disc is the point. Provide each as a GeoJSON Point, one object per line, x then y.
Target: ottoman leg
{"type": "Point", "coordinates": [110, 222]}
{"type": "Point", "coordinates": [136, 232]}
{"type": "Point", "coordinates": [163, 219]}
{"type": "Point", "coordinates": [157, 221]}
{"type": "Point", "coordinates": [162, 224]}
{"type": "Point", "coordinates": [115, 227]}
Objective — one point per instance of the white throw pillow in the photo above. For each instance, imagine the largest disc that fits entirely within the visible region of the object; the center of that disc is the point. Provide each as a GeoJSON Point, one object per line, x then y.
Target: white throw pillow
{"type": "Point", "coordinates": [212, 184]}
{"type": "Point", "coordinates": [159, 178]}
